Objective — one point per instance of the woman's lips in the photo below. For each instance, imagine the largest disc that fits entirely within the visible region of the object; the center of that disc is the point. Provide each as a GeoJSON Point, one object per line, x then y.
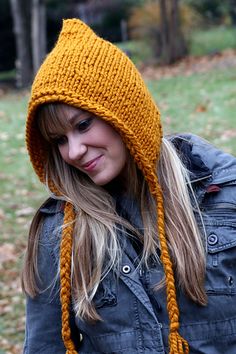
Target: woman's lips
{"type": "Point", "coordinates": [89, 166]}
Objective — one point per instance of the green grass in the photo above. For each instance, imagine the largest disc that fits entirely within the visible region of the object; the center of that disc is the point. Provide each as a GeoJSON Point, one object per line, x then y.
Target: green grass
{"type": "Point", "coordinates": [215, 39]}
{"type": "Point", "coordinates": [139, 51]}
{"type": "Point", "coordinates": [203, 104]}
{"type": "Point", "coordinates": [6, 75]}
{"type": "Point", "coordinates": [201, 42]}
{"type": "Point", "coordinates": [19, 190]}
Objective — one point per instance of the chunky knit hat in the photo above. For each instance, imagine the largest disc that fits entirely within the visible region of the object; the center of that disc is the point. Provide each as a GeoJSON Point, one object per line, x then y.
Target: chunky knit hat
{"type": "Point", "coordinates": [87, 72]}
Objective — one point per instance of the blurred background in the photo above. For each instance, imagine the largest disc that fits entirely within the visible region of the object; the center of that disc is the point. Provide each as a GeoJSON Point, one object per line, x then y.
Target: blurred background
{"type": "Point", "coordinates": [186, 52]}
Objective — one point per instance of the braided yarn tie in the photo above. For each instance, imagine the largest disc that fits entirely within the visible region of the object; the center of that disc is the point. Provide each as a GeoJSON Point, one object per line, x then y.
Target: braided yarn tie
{"type": "Point", "coordinates": [177, 344]}
{"type": "Point", "coordinates": [65, 276]}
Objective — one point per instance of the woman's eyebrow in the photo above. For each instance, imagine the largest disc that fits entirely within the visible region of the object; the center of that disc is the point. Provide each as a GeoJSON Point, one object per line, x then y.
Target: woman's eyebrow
{"type": "Point", "coordinates": [52, 135]}
{"type": "Point", "coordinates": [79, 116]}
{"type": "Point", "coordinates": [71, 121]}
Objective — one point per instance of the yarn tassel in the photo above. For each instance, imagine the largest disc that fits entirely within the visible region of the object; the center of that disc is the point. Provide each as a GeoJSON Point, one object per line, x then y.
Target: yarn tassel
{"type": "Point", "coordinates": [177, 344]}
{"type": "Point", "coordinates": [65, 276]}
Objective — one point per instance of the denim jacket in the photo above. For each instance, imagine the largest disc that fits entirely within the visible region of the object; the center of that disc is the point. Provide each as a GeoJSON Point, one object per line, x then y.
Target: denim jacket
{"type": "Point", "coordinates": [135, 318]}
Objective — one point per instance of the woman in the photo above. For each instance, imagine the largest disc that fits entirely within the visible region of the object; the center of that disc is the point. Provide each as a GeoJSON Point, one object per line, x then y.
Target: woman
{"type": "Point", "coordinates": [134, 251]}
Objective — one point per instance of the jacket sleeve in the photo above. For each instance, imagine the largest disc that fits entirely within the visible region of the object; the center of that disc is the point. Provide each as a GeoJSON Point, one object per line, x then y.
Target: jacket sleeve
{"type": "Point", "coordinates": [43, 312]}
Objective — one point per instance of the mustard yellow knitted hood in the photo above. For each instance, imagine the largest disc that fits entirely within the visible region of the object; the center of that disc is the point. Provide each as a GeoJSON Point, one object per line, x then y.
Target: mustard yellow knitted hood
{"type": "Point", "coordinates": [87, 72]}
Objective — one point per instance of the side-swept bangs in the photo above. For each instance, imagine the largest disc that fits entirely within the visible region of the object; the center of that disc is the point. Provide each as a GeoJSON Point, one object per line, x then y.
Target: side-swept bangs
{"type": "Point", "coordinates": [51, 120]}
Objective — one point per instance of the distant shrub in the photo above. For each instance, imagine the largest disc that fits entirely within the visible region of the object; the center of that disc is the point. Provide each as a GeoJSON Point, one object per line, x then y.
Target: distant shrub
{"type": "Point", "coordinates": [145, 20]}
{"type": "Point", "coordinates": [215, 12]}
{"type": "Point", "coordinates": [169, 43]}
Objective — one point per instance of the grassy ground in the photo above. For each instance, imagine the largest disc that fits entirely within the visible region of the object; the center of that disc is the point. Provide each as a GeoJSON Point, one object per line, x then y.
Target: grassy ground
{"type": "Point", "coordinates": [20, 193]}
{"type": "Point", "coordinates": [201, 42]}
{"type": "Point", "coordinates": [202, 103]}
{"type": "Point", "coordinates": [204, 42]}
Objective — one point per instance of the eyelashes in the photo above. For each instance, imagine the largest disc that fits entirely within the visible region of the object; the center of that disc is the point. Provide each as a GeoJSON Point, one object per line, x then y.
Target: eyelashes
{"type": "Point", "coordinates": [84, 124]}
{"type": "Point", "coordinates": [61, 140]}
{"type": "Point", "coordinates": [81, 127]}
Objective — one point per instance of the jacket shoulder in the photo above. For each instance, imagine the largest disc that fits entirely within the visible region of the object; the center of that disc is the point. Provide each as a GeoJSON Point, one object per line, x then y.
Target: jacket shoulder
{"type": "Point", "coordinates": [204, 160]}
{"type": "Point", "coordinates": [52, 206]}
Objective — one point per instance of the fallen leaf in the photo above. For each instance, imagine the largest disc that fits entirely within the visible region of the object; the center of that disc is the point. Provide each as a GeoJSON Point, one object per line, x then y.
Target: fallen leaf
{"type": "Point", "coordinates": [7, 253]}
{"type": "Point", "coordinates": [201, 108]}
{"type": "Point", "coordinates": [2, 214]}
{"type": "Point", "coordinates": [25, 211]}
{"type": "Point", "coordinates": [228, 134]}
{"type": "Point", "coordinates": [191, 65]}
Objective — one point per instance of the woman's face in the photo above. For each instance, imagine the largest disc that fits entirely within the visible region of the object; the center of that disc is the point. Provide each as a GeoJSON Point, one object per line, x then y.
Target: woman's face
{"type": "Point", "coordinates": [91, 145]}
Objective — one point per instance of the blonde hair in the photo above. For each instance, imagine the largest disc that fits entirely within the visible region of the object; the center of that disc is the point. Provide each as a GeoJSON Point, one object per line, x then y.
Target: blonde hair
{"type": "Point", "coordinates": [95, 225]}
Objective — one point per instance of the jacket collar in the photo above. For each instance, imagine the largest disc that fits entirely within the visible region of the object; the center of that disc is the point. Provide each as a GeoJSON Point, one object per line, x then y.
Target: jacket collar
{"type": "Point", "coordinates": [205, 162]}
{"type": "Point", "coordinates": [52, 206]}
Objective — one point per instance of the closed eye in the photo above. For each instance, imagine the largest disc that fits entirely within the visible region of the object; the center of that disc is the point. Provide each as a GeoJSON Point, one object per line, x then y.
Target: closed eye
{"type": "Point", "coordinates": [84, 124]}
{"type": "Point", "coordinates": [60, 140]}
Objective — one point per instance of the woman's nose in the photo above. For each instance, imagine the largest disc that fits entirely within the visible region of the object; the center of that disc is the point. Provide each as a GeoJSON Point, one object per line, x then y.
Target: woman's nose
{"type": "Point", "coordinates": [76, 149]}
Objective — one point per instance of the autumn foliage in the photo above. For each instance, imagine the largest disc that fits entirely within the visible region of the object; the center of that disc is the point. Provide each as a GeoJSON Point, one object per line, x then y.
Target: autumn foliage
{"type": "Point", "coordinates": [164, 24]}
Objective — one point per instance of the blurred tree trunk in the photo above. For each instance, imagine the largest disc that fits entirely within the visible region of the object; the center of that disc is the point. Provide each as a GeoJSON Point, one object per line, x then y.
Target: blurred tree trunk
{"type": "Point", "coordinates": [38, 25]}
{"type": "Point", "coordinates": [124, 30]}
{"type": "Point", "coordinates": [21, 20]}
{"type": "Point", "coordinates": [72, 7]}
{"type": "Point", "coordinates": [173, 46]}
{"type": "Point", "coordinates": [232, 11]}
{"type": "Point", "coordinates": [164, 51]}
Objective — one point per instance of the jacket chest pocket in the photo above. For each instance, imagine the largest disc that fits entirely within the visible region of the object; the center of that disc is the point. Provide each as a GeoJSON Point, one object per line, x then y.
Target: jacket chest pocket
{"type": "Point", "coordinates": [220, 224]}
{"type": "Point", "coordinates": [106, 294]}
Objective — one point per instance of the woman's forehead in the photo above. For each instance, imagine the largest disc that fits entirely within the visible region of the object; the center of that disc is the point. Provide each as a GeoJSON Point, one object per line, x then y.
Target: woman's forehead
{"type": "Point", "coordinates": [58, 116]}
{"type": "Point", "coordinates": [66, 112]}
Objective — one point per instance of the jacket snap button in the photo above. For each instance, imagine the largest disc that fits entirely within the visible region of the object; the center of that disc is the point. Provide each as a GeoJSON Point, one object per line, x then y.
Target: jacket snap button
{"type": "Point", "coordinates": [126, 269]}
{"type": "Point", "coordinates": [230, 280]}
{"type": "Point", "coordinates": [212, 239]}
